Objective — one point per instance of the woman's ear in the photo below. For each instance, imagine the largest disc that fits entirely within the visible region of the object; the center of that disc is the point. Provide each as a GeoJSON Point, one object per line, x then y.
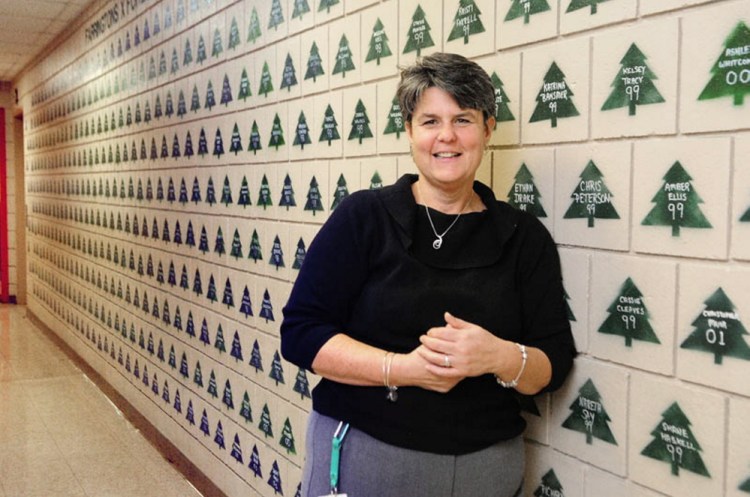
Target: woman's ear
{"type": "Point", "coordinates": [489, 127]}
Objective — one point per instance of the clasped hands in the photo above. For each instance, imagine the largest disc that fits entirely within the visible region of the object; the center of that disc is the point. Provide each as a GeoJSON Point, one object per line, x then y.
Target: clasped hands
{"type": "Point", "coordinates": [450, 353]}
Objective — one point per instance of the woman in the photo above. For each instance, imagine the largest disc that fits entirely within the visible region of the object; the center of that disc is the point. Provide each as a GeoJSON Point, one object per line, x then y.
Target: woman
{"type": "Point", "coordinates": [433, 289]}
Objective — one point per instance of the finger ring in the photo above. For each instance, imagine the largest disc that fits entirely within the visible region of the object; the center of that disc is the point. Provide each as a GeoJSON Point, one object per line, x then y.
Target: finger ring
{"type": "Point", "coordinates": [446, 361]}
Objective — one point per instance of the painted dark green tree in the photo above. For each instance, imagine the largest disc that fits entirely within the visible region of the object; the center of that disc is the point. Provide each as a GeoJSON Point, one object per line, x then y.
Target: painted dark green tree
{"type": "Point", "coordinates": [277, 15]}
{"type": "Point", "coordinates": [287, 194]}
{"type": "Point", "coordinates": [244, 195]}
{"type": "Point", "coordinates": [676, 203]}
{"type": "Point", "coordinates": [226, 91]}
{"type": "Point", "coordinates": [217, 47]}
{"type": "Point", "coordinates": [633, 84]}
{"type": "Point", "coordinates": [591, 197]}
{"type": "Point", "coordinates": [376, 182]}
{"type": "Point", "coordinates": [227, 398]}
{"type": "Point", "coordinates": [360, 123]}
{"type": "Point", "coordinates": [287, 438]}
{"type": "Point", "coordinates": [467, 21]}
{"type": "Point", "coordinates": [256, 360]}
{"type": "Point", "coordinates": [276, 372]}
{"type": "Point", "coordinates": [289, 74]}
{"type": "Point", "coordinates": [314, 202]}
{"type": "Point", "coordinates": [341, 192]}
{"type": "Point", "coordinates": [237, 449]}
{"type": "Point", "coordinates": [299, 8]}
{"type": "Point", "coordinates": [589, 416]}
{"type": "Point", "coordinates": [219, 247]}
{"type": "Point", "coordinates": [219, 343]}
{"type": "Point", "coordinates": [344, 58]}
{"type": "Point", "coordinates": [256, 252]}
{"type": "Point", "coordinates": [524, 195]}
{"type": "Point", "coordinates": [277, 133]}
{"type": "Point", "coordinates": [729, 76]}
{"type": "Point", "coordinates": [378, 43]}
{"type": "Point", "coordinates": [195, 101]}
{"type": "Point", "coordinates": [255, 140]}
{"type": "Point", "coordinates": [549, 485]}
{"type": "Point", "coordinates": [196, 196]}
{"type": "Point", "coordinates": [675, 443]}
{"type": "Point", "coordinates": [266, 307]}
{"type": "Point", "coordinates": [718, 330]}
{"type": "Point", "coordinates": [210, 192]}
{"type": "Point", "coordinates": [255, 465]}
{"type": "Point", "coordinates": [629, 317]}
{"type": "Point", "coordinates": [314, 63]}
{"type": "Point", "coordinates": [418, 35]}
{"type": "Point", "coordinates": [201, 55]}
{"type": "Point", "coordinates": [218, 144]}
{"type": "Point", "coordinates": [329, 127]}
{"type": "Point", "coordinates": [326, 5]}
{"type": "Point", "coordinates": [244, 86]}
{"type": "Point", "coordinates": [502, 110]}
{"type": "Point", "coordinates": [187, 54]}
{"type": "Point", "coordinates": [302, 384]}
{"type": "Point", "coordinates": [553, 99]}
{"type": "Point", "coordinates": [302, 132]}
{"type": "Point", "coordinates": [265, 425]}
{"type": "Point", "coordinates": [277, 254]}
{"type": "Point", "coordinates": [745, 486]}
{"type": "Point", "coordinates": [299, 254]}
{"type": "Point", "coordinates": [211, 292]}
{"type": "Point", "coordinates": [253, 30]}
{"type": "Point", "coordinates": [234, 34]}
{"type": "Point", "coordinates": [246, 306]}
{"type": "Point", "coordinates": [236, 145]}
{"type": "Point", "coordinates": [395, 120]}
{"type": "Point", "coordinates": [582, 4]}
{"type": "Point", "coordinates": [746, 216]}
{"type": "Point", "coordinates": [266, 84]}
{"type": "Point", "coordinates": [274, 478]}
{"type": "Point", "coordinates": [526, 9]}
{"type": "Point", "coordinates": [246, 411]}
{"type": "Point", "coordinates": [264, 194]}
{"type": "Point", "coordinates": [236, 250]}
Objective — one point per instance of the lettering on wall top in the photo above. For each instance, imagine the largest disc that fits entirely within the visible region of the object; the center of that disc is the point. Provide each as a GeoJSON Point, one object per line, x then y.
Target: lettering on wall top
{"type": "Point", "coordinates": [524, 194]}
{"type": "Point", "coordinates": [591, 197]}
{"type": "Point", "coordinates": [379, 47]}
{"type": "Point", "coordinates": [588, 415]}
{"type": "Point", "coordinates": [467, 21]}
{"type": "Point", "coordinates": [418, 34]}
{"type": "Point", "coordinates": [628, 316]}
{"type": "Point", "coordinates": [731, 72]}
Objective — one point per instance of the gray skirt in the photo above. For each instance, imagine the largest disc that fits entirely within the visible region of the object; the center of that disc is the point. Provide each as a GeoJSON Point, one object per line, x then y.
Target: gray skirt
{"type": "Point", "coordinates": [371, 468]}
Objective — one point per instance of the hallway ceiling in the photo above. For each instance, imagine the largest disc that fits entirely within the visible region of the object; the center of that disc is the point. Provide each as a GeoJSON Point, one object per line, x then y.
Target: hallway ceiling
{"type": "Point", "coordinates": [27, 27]}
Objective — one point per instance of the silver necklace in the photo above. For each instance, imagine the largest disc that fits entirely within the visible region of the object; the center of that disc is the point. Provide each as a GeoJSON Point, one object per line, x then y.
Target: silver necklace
{"type": "Point", "coordinates": [438, 242]}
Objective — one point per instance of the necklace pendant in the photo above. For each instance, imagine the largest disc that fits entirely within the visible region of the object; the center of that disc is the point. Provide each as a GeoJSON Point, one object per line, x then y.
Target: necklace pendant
{"type": "Point", "coordinates": [437, 243]}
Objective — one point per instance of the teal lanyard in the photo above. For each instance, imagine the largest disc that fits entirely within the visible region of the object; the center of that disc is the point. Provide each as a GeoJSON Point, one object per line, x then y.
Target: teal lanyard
{"type": "Point", "coordinates": [336, 443]}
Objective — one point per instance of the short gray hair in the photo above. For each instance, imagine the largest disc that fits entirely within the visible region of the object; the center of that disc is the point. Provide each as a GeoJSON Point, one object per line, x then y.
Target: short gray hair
{"type": "Point", "coordinates": [458, 76]}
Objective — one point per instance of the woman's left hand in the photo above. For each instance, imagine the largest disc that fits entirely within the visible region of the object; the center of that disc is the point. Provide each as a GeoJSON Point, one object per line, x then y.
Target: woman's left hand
{"type": "Point", "coordinates": [468, 349]}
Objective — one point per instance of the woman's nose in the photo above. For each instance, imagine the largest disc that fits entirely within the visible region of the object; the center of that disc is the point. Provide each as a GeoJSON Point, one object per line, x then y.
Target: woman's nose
{"type": "Point", "coordinates": [447, 133]}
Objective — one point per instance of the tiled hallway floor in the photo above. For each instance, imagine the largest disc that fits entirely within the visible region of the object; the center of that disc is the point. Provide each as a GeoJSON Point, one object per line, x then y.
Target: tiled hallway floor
{"type": "Point", "coordinates": [59, 434]}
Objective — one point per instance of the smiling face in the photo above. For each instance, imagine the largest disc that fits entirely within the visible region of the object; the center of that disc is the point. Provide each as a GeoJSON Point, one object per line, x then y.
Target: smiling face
{"type": "Point", "coordinates": [447, 141]}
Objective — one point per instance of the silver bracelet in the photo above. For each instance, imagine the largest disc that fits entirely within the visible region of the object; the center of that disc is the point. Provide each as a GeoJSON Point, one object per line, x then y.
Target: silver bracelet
{"type": "Point", "coordinates": [387, 363]}
{"type": "Point", "coordinates": [514, 382]}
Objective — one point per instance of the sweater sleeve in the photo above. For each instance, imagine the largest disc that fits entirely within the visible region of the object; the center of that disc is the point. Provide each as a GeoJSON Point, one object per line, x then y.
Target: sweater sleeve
{"type": "Point", "coordinates": [328, 284]}
{"type": "Point", "coordinates": [546, 324]}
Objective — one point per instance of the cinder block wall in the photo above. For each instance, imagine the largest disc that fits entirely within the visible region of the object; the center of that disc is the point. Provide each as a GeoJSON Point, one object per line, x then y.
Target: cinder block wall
{"type": "Point", "coordinates": [6, 102]}
{"type": "Point", "coordinates": [181, 154]}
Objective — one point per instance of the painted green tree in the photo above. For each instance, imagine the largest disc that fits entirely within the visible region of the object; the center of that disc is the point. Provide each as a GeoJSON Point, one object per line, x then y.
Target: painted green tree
{"type": "Point", "coordinates": [746, 216]}
{"type": "Point", "coordinates": [633, 84]}
{"type": "Point", "coordinates": [302, 132]}
{"type": "Point", "coordinates": [745, 486]}
{"type": "Point", "coordinates": [255, 253]}
{"type": "Point", "coordinates": [526, 9]}
{"type": "Point", "coordinates": [236, 145]}
{"type": "Point", "coordinates": [376, 182]}
{"type": "Point", "coordinates": [244, 86]}
{"type": "Point", "coordinates": [314, 202]}
{"type": "Point", "coordinates": [675, 443]}
{"type": "Point", "coordinates": [218, 46]}
{"type": "Point", "coordinates": [277, 133]}
{"type": "Point", "coordinates": [253, 29]}
{"type": "Point", "coordinates": [255, 143]}
{"type": "Point", "coordinates": [277, 15]}
{"type": "Point", "coordinates": [234, 34]}
{"type": "Point", "coordinates": [718, 330]}
{"type": "Point", "coordinates": [467, 21]}
{"type": "Point", "coordinates": [314, 63]}
{"type": "Point", "coordinates": [326, 5]}
{"type": "Point", "coordinates": [300, 7]}
{"type": "Point", "coordinates": [395, 119]}
{"type": "Point", "coordinates": [676, 203]}
{"type": "Point", "coordinates": [629, 317]}
{"type": "Point", "coordinates": [287, 438]}
{"type": "Point", "coordinates": [502, 110]}
{"type": "Point", "coordinates": [266, 85]}
{"type": "Point", "coordinates": [265, 425]}
{"type": "Point", "coordinates": [378, 43]}
{"type": "Point", "coordinates": [418, 35]}
{"type": "Point", "coordinates": [287, 194]}
{"type": "Point", "coordinates": [201, 55]}
{"type": "Point", "coordinates": [589, 416]}
{"type": "Point", "coordinates": [289, 74]}
{"type": "Point", "coordinates": [524, 194]}
{"type": "Point", "coordinates": [731, 76]}
{"type": "Point", "coordinates": [341, 191]}
{"type": "Point", "coordinates": [264, 194]}
{"type": "Point", "coordinates": [549, 486]}
{"type": "Point", "coordinates": [329, 127]}
{"type": "Point", "coordinates": [591, 197]}
{"type": "Point", "coordinates": [553, 99]}
{"type": "Point", "coordinates": [344, 58]}
{"type": "Point", "coordinates": [360, 123]}
{"type": "Point", "coordinates": [582, 4]}
{"type": "Point", "coordinates": [226, 92]}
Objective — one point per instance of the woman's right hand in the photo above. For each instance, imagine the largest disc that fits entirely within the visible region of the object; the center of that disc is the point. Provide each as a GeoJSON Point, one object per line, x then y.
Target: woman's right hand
{"type": "Point", "coordinates": [411, 370]}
